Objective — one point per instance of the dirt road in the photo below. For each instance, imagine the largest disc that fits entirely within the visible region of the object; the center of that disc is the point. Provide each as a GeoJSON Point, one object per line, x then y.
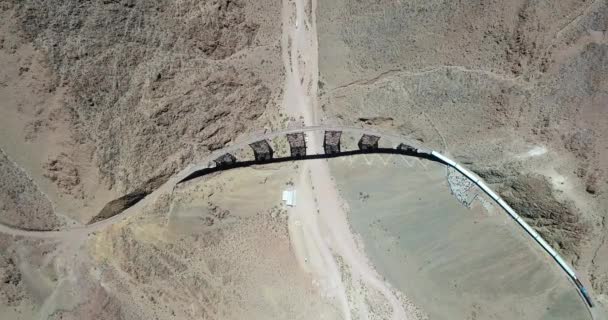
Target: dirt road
{"type": "Point", "coordinates": [318, 225]}
{"type": "Point", "coordinates": [169, 185]}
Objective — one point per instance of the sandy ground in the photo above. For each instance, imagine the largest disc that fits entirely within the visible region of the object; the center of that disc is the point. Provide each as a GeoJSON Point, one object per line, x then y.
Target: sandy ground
{"type": "Point", "coordinates": [210, 250]}
{"type": "Point", "coordinates": [319, 238]}
{"type": "Point", "coordinates": [452, 261]}
{"type": "Point", "coordinates": [247, 267]}
{"type": "Point", "coordinates": [513, 90]}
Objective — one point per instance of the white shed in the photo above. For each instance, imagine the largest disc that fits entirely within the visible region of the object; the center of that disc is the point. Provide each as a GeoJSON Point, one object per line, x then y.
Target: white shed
{"type": "Point", "coordinates": [289, 197]}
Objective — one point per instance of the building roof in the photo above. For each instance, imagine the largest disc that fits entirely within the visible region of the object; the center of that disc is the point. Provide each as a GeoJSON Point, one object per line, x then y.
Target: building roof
{"type": "Point", "coordinates": [406, 147]}
{"type": "Point", "coordinates": [296, 139]}
{"type": "Point", "coordinates": [332, 137]}
{"type": "Point", "coordinates": [226, 158]}
{"type": "Point", "coordinates": [261, 146]}
{"type": "Point", "coordinates": [289, 197]}
{"type": "Point", "coordinates": [368, 139]}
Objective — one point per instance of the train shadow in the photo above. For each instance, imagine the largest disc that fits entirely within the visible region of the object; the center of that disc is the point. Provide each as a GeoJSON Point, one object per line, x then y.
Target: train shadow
{"type": "Point", "coordinates": [248, 163]}
{"type": "Point", "coordinates": [123, 203]}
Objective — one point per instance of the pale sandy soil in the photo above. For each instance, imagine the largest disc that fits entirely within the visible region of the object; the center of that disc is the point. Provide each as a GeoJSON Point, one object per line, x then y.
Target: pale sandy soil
{"type": "Point", "coordinates": [317, 239]}
{"type": "Point", "coordinates": [453, 262]}
{"type": "Point", "coordinates": [227, 253]}
{"type": "Point", "coordinates": [515, 90]}
{"type": "Point", "coordinates": [211, 250]}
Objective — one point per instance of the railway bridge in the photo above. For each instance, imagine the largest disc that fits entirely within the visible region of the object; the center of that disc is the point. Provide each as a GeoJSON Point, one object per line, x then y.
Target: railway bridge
{"type": "Point", "coordinates": [264, 153]}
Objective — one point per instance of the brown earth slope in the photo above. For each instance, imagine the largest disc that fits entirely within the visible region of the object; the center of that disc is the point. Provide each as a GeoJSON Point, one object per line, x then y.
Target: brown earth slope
{"type": "Point", "coordinates": [141, 88]}
{"type": "Point", "coordinates": [21, 202]}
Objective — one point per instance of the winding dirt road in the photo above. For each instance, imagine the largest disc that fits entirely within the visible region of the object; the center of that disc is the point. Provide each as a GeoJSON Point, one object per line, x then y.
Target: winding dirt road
{"type": "Point", "coordinates": [319, 227]}
{"type": "Point", "coordinates": [171, 183]}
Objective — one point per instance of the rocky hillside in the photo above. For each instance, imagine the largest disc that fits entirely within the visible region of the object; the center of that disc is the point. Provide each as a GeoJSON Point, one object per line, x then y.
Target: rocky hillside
{"type": "Point", "coordinates": [146, 86]}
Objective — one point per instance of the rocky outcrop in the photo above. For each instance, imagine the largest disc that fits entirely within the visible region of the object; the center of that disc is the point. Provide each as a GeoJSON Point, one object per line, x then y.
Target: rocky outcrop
{"type": "Point", "coordinates": [123, 203]}
{"type": "Point", "coordinates": [11, 288]}
{"type": "Point", "coordinates": [159, 87]}
{"type": "Point", "coordinates": [558, 222]}
{"type": "Point", "coordinates": [22, 204]}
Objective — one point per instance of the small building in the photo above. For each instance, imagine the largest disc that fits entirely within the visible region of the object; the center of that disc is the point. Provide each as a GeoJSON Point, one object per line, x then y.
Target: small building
{"type": "Point", "coordinates": [297, 144]}
{"type": "Point", "coordinates": [224, 160]}
{"type": "Point", "coordinates": [368, 142]}
{"type": "Point", "coordinates": [331, 142]}
{"type": "Point", "coordinates": [289, 197]}
{"type": "Point", "coordinates": [262, 150]}
{"type": "Point", "coordinates": [406, 148]}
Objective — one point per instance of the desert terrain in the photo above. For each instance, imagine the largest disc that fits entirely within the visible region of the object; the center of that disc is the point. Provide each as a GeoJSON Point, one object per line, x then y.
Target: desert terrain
{"type": "Point", "coordinates": [514, 90]}
{"type": "Point", "coordinates": [91, 89]}
{"type": "Point", "coordinates": [105, 105]}
{"type": "Point", "coordinates": [453, 260]}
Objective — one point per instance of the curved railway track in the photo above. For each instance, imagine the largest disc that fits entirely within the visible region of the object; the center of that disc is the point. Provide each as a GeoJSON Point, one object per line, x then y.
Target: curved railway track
{"type": "Point", "coordinates": [188, 172]}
